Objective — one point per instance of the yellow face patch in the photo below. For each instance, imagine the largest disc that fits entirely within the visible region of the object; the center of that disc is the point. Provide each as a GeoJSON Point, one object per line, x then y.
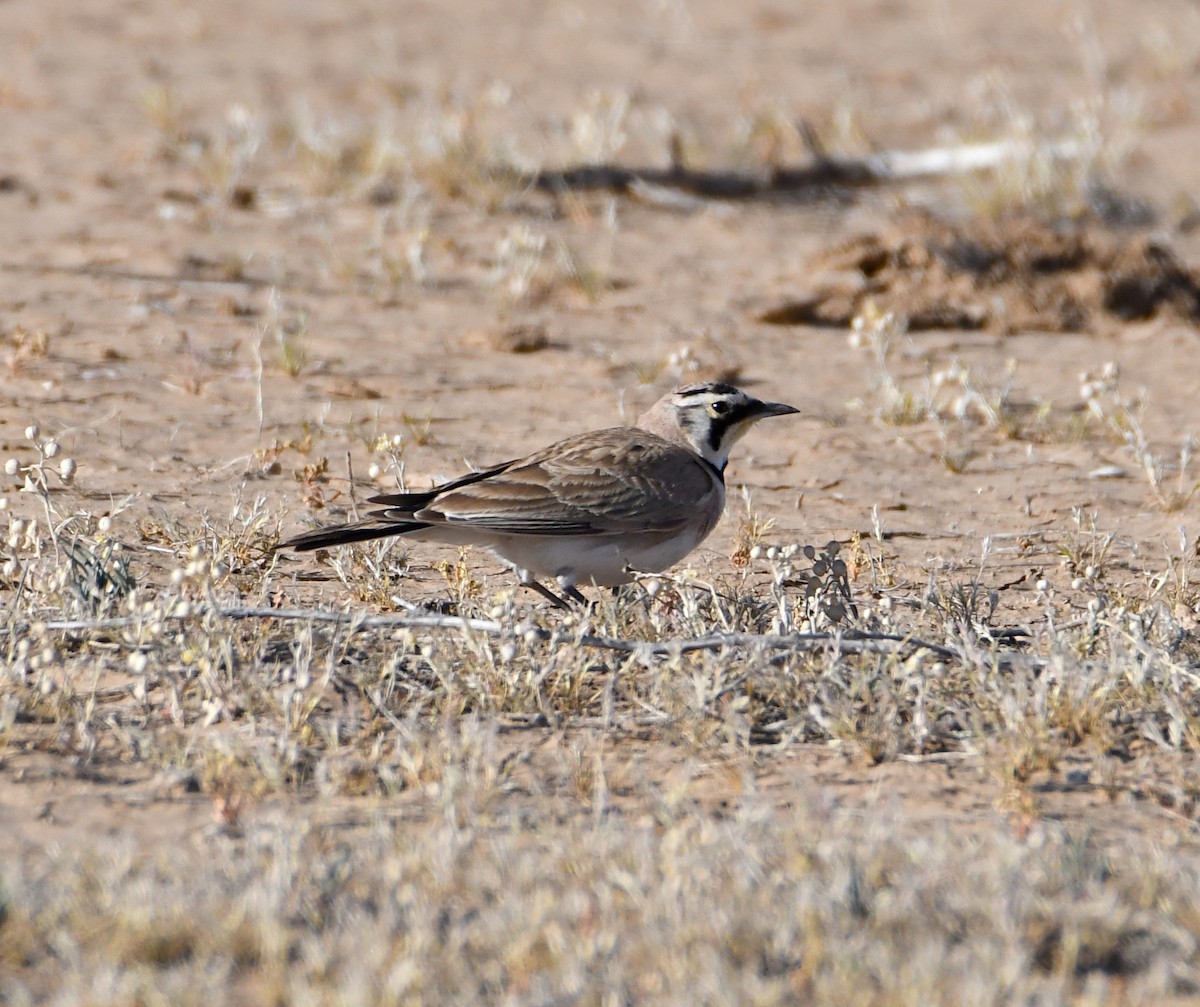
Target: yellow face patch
{"type": "Point", "coordinates": [736, 431]}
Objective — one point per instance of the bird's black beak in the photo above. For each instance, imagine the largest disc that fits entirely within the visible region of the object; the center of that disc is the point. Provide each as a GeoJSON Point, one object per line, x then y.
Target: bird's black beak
{"type": "Point", "coordinates": [761, 410]}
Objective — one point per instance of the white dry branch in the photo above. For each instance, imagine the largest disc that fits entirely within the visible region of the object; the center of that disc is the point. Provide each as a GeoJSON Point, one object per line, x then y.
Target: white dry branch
{"type": "Point", "coordinates": [843, 642]}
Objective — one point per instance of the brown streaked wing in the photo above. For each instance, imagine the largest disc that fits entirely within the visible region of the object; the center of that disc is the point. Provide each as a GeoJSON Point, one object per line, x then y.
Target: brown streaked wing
{"type": "Point", "coordinates": [606, 482]}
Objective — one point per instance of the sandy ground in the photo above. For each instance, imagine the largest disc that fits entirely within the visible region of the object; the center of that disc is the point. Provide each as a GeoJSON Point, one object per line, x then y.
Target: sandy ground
{"type": "Point", "coordinates": [193, 192]}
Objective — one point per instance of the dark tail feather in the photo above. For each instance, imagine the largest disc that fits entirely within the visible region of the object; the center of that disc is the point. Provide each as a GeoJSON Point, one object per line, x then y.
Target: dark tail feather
{"type": "Point", "coordinates": [364, 531]}
{"type": "Point", "coordinates": [408, 503]}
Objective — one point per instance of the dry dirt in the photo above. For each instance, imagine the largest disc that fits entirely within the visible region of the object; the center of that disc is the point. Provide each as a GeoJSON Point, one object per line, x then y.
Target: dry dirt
{"type": "Point", "coordinates": [199, 200]}
{"type": "Point", "coordinates": [1014, 276]}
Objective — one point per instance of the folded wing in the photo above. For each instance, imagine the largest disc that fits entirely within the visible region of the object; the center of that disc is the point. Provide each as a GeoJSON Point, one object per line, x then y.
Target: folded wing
{"type": "Point", "coordinates": [606, 483]}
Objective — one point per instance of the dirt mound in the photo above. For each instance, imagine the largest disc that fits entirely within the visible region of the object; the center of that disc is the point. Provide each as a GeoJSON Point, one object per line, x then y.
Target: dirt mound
{"type": "Point", "coordinates": [1012, 276]}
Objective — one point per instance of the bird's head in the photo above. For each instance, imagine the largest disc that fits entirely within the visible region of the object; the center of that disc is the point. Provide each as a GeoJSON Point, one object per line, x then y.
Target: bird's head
{"type": "Point", "coordinates": [709, 417]}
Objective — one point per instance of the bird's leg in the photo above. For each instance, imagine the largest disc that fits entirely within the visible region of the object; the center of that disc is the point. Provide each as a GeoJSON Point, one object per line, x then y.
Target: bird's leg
{"type": "Point", "coordinates": [577, 596]}
{"type": "Point", "coordinates": [527, 580]}
{"type": "Point", "coordinates": [546, 593]}
{"type": "Point", "coordinates": [570, 590]}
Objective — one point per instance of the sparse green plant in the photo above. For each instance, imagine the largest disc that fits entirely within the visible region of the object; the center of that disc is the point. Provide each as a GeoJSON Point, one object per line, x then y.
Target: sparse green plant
{"type": "Point", "coordinates": [465, 589]}
{"type": "Point", "coordinates": [751, 537]}
{"type": "Point", "coordinates": [161, 106]}
{"type": "Point", "coordinates": [397, 257]}
{"type": "Point", "coordinates": [876, 331]}
{"type": "Point", "coordinates": [389, 449]}
{"type": "Point", "coordinates": [419, 428]}
{"type": "Point", "coordinates": [97, 575]}
{"type": "Point", "coordinates": [956, 457]}
{"type": "Point", "coordinates": [828, 600]}
{"type": "Point", "coordinates": [37, 478]}
{"type": "Point", "coordinates": [289, 335]}
{"type": "Point", "coordinates": [1176, 584]}
{"type": "Point", "coordinates": [519, 261]}
{"type": "Point", "coordinates": [1122, 419]}
{"type": "Point", "coordinates": [371, 572]}
{"type": "Point", "coordinates": [598, 129]}
{"type": "Point", "coordinates": [1087, 550]}
{"type": "Point", "coordinates": [311, 477]}
{"type": "Point", "coordinates": [704, 359]}
{"type": "Point", "coordinates": [25, 344]}
{"type": "Point", "coordinates": [952, 397]}
{"type": "Point", "coordinates": [1052, 178]}
{"type": "Point", "coordinates": [453, 155]}
{"type": "Point", "coordinates": [588, 279]}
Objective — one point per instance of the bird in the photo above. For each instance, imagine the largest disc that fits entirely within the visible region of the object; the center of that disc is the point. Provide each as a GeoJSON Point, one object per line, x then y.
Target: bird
{"type": "Point", "coordinates": [597, 508]}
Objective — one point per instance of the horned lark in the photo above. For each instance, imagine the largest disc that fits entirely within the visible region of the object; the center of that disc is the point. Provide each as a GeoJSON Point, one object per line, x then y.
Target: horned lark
{"type": "Point", "coordinates": [597, 508]}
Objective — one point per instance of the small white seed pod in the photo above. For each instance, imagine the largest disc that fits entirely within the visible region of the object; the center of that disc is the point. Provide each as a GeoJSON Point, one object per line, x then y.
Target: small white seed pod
{"type": "Point", "coordinates": [66, 469]}
{"type": "Point", "coordinates": [32, 431]}
{"type": "Point", "coordinates": [50, 449]}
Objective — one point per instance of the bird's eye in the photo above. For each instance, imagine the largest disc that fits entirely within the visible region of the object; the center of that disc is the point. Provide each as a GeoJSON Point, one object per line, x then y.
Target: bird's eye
{"type": "Point", "coordinates": [718, 408]}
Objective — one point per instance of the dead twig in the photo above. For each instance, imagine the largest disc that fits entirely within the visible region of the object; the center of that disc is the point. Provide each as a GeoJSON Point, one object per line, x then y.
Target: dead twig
{"type": "Point", "coordinates": [844, 642]}
{"type": "Point", "coordinates": [825, 171]}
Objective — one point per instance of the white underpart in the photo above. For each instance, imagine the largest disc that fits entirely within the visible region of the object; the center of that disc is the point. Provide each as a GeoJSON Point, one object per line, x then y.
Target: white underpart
{"type": "Point", "coordinates": [603, 560]}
